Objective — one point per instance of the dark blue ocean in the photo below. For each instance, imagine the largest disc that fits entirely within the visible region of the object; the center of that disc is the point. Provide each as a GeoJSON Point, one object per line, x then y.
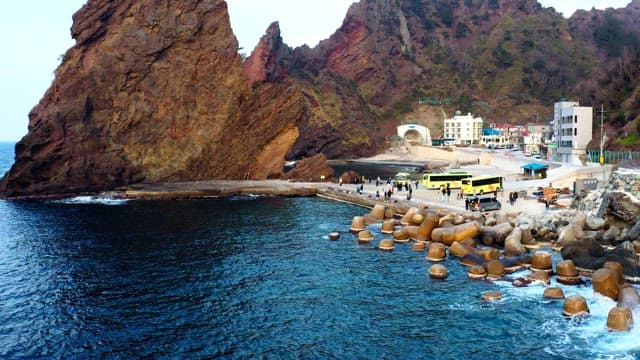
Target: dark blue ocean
{"type": "Point", "coordinates": [257, 277]}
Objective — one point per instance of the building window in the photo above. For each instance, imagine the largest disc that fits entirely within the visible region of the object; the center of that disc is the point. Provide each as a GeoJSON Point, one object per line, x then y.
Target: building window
{"type": "Point", "coordinates": [575, 119]}
{"type": "Point", "coordinates": [575, 131]}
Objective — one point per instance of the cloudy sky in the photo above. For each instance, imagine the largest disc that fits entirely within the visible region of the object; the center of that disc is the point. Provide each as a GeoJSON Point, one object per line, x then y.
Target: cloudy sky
{"type": "Point", "coordinates": [36, 33]}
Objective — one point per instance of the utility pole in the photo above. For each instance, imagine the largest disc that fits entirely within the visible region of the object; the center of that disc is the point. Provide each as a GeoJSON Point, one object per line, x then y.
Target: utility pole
{"type": "Point", "coordinates": [602, 140]}
{"type": "Point", "coordinates": [601, 134]}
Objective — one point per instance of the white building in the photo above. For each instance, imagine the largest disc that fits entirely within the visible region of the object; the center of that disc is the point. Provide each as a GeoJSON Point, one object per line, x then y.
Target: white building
{"type": "Point", "coordinates": [572, 130]}
{"type": "Point", "coordinates": [465, 129]}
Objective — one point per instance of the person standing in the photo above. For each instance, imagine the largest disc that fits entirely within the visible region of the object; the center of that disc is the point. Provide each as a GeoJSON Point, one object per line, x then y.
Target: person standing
{"type": "Point", "coordinates": [466, 204]}
{"type": "Point", "coordinates": [448, 193]}
{"type": "Point", "coordinates": [340, 181]}
{"type": "Point", "coordinates": [443, 191]}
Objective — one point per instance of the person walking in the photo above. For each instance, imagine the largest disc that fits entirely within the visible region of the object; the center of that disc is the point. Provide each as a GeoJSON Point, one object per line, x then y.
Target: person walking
{"type": "Point", "coordinates": [443, 191]}
{"type": "Point", "coordinates": [448, 193]}
{"type": "Point", "coordinates": [466, 204]}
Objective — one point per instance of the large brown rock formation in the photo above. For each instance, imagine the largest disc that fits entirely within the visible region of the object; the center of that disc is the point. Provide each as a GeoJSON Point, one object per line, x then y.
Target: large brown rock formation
{"type": "Point", "coordinates": [153, 91]}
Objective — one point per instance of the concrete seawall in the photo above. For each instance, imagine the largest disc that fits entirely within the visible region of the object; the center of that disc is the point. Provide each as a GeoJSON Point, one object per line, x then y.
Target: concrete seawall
{"type": "Point", "coordinates": [226, 188]}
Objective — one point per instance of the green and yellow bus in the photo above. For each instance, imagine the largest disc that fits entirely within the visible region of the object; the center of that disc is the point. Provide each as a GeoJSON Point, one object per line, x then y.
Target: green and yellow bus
{"type": "Point", "coordinates": [401, 178]}
{"type": "Point", "coordinates": [454, 179]}
{"type": "Point", "coordinates": [482, 185]}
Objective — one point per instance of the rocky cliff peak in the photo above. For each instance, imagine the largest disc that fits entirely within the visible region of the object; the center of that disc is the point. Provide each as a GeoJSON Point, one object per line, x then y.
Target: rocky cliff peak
{"type": "Point", "coordinates": [266, 62]}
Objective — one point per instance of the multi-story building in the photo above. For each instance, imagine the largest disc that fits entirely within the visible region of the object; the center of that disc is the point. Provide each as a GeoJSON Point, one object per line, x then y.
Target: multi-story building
{"type": "Point", "coordinates": [572, 130]}
{"type": "Point", "coordinates": [535, 136]}
{"type": "Point", "coordinates": [465, 129]}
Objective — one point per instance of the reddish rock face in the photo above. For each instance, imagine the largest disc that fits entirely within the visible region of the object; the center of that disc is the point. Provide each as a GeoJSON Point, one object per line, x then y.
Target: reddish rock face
{"type": "Point", "coordinates": [264, 62]}
{"type": "Point", "coordinates": [153, 91]}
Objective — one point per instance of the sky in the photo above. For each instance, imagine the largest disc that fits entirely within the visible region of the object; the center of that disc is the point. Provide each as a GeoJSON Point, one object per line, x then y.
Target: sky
{"type": "Point", "coordinates": [36, 33]}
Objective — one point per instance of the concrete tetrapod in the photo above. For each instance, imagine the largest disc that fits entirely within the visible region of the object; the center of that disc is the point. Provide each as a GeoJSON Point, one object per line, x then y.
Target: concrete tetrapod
{"type": "Point", "coordinates": [419, 246]}
{"type": "Point", "coordinates": [406, 219]}
{"type": "Point", "coordinates": [378, 212]}
{"type": "Point", "coordinates": [388, 213]}
{"type": "Point", "coordinates": [437, 252]}
{"type": "Point", "coordinates": [429, 223]}
{"type": "Point", "coordinates": [365, 236]}
{"type": "Point", "coordinates": [357, 224]}
{"type": "Point", "coordinates": [388, 226]}
{"type": "Point", "coordinates": [554, 293]}
{"type": "Point", "coordinates": [513, 243]}
{"type": "Point", "coordinates": [540, 276]}
{"type": "Point", "coordinates": [629, 297]}
{"type": "Point", "coordinates": [473, 260]}
{"type": "Point", "coordinates": [438, 271]}
{"type": "Point", "coordinates": [575, 305]}
{"type": "Point", "coordinates": [616, 269]}
{"type": "Point", "coordinates": [491, 296]}
{"type": "Point", "coordinates": [457, 249]}
{"type": "Point", "coordinates": [477, 272]}
{"type": "Point", "coordinates": [416, 219]}
{"type": "Point", "coordinates": [567, 273]}
{"type": "Point", "coordinates": [604, 282]}
{"type": "Point", "coordinates": [512, 264]}
{"type": "Point", "coordinates": [619, 319]}
{"type": "Point", "coordinates": [496, 234]}
{"type": "Point", "coordinates": [495, 270]}
{"type": "Point", "coordinates": [386, 244]}
{"type": "Point", "coordinates": [401, 236]}
{"type": "Point", "coordinates": [455, 233]}
{"type": "Point", "coordinates": [542, 262]}
{"type": "Point", "coordinates": [489, 253]}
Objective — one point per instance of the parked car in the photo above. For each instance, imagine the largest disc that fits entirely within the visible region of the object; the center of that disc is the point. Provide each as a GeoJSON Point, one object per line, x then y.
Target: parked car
{"type": "Point", "coordinates": [484, 203]}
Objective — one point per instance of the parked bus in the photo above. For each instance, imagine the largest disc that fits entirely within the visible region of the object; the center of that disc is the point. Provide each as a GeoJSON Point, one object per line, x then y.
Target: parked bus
{"type": "Point", "coordinates": [401, 178]}
{"type": "Point", "coordinates": [482, 185]}
{"type": "Point", "coordinates": [454, 179]}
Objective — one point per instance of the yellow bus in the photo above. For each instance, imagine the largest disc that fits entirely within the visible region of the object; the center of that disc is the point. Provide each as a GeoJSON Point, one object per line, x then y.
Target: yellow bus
{"type": "Point", "coordinates": [482, 185]}
{"type": "Point", "coordinates": [454, 179]}
{"type": "Point", "coordinates": [401, 178]}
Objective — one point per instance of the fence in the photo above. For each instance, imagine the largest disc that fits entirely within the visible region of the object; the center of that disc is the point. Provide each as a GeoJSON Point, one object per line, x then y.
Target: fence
{"type": "Point", "coordinates": [612, 157]}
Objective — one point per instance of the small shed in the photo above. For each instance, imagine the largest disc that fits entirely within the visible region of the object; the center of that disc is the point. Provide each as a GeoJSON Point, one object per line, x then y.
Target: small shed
{"type": "Point", "coordinates": [535, 170]}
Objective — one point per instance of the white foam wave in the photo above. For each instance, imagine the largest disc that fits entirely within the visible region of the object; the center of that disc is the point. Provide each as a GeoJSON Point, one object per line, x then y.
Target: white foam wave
{"type": "Point", "coordinates": [590, 330]}
{"type": "Point", "coordinates": [92, 200]}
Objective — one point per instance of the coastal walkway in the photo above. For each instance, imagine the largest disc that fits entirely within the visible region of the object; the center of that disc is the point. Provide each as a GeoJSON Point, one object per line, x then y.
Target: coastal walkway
{"type": "Point", "coordinates": [421, 197]}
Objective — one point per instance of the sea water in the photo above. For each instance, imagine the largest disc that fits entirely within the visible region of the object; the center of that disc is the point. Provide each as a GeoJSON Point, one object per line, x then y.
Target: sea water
{"type": "Point", "coordinates": [257, 277]}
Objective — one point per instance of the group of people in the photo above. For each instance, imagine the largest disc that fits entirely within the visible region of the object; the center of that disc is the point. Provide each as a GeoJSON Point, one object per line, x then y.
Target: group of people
{"type": "Point", "coordinates": [446, 192]}
{"type": "Point", "coordinates": [513, 196]}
